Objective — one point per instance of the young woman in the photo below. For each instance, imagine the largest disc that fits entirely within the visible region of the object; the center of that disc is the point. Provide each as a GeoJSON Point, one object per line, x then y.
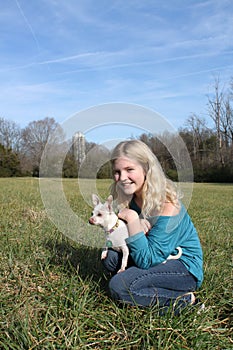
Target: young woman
{"type": "Point", "coordinates": [159, 227]}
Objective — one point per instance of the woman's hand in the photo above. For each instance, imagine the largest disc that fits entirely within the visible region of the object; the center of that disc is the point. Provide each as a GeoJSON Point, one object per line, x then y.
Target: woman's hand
{"type": "Point", "coordinates": [132, 220]}
{"type": "Point", "coordinates": [146, 226]}
{"type": "Point", "coordinates": [128, 215]}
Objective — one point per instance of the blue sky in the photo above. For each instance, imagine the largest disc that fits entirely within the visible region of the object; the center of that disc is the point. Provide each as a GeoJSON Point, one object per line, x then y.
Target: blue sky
{"type": "Point", "coordinates": [60, 57]}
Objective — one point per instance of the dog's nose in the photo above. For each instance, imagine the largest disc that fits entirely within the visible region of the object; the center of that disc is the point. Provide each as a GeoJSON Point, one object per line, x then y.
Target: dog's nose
{"type": "Point", "coordinates": [91, 221]}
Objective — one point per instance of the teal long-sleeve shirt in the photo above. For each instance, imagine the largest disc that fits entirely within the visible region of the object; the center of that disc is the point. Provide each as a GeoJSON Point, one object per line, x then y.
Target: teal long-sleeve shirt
{"type": "Point", "coordinates": [166, 234]}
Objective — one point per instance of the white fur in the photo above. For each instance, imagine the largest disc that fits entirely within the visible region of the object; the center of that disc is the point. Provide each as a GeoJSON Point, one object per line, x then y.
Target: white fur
{"type": "Point", "coordinates": [104, 216]}
{"type": "Point", "coordinates": [174, 257]}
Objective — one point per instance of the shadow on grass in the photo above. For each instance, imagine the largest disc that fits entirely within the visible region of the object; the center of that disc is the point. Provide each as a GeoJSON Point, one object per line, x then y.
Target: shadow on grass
{"type": "Point", "coordinates": [75, 258]}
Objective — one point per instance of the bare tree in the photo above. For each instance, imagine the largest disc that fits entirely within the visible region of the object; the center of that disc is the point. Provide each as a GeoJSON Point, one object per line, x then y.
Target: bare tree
{"type": "Point", "coordinates": [34, 139]}
{"type": "Point", "coordinates": [221, 111]}
{"type": "Point", "coordinates": [200, 134]}
{"type": "Point", "coordinates": [230, 111]}
{"type": "Point", "coordinates": [216, 111]}
{"type": "Point", "coordinates": [10, 134]}
{"type": "Point", "coordinates": [226, 126]}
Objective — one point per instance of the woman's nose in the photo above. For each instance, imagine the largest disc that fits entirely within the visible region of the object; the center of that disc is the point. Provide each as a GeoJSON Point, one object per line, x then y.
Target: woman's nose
{"type": "Point", "coordinates": [123, 176]}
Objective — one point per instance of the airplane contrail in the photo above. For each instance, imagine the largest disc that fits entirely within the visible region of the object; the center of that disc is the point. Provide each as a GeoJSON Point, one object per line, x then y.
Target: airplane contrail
{"type": "Point", "coordinates": [28, 24]}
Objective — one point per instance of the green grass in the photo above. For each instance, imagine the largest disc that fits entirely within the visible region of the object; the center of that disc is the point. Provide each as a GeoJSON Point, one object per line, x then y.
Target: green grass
{"type": "Point", "coordinates": [53, 291]}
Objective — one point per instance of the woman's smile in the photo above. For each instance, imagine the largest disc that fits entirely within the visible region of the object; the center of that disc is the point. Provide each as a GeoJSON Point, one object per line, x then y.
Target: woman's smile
{"type": "Point", "coordinates": [129, 175]}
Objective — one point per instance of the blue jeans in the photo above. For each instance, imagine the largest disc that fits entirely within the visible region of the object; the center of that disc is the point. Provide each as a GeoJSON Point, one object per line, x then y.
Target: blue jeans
{"type": "Point", "coordinates": [165, 284]}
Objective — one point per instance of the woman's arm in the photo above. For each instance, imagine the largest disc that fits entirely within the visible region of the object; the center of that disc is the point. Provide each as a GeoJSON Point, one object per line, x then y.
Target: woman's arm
{"type": "Point", "coordinates": [134, 223]}
{"type": "Point", "coordinates": [156, 247]}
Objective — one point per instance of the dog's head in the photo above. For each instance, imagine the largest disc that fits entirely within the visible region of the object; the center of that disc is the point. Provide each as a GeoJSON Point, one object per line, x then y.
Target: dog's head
{"type": "Point", "coordinates": [102, 214]}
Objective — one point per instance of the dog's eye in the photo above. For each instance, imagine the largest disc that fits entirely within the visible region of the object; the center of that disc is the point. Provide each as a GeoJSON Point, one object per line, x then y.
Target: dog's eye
{"type": "Point", "coordinates": [99, 214]}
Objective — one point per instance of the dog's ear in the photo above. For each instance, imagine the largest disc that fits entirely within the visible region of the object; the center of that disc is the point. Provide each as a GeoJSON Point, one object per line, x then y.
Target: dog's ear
{"type": "Point", "coordinates": [109, 201]}
{"type": "Point", "coordinates": [95, 199]}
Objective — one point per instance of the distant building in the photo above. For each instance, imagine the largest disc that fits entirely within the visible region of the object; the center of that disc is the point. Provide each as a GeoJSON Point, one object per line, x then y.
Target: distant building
{"type": "Point", "coordinates": [79, 147]}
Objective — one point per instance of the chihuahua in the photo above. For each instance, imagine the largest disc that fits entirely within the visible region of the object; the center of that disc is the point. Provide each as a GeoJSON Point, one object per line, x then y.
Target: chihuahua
{"type": "Point", "coordinates": [115, 229]}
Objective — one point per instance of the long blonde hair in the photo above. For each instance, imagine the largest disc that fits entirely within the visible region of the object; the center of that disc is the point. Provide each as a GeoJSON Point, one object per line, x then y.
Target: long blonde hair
{"type": "Point", "coordinates": [157, 189]}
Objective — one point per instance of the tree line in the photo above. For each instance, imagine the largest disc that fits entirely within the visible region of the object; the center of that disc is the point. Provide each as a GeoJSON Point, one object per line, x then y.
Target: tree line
{"type": "Point", "coordinates": [210, 149]}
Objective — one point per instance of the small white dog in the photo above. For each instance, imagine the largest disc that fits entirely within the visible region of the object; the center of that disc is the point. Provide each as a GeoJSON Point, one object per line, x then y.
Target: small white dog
{"type": "Point", "coordinates": [115, 229]}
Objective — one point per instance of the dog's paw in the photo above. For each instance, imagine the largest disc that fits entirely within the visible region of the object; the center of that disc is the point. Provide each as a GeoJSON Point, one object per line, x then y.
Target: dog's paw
{"type": "Point", "coordinates": [104, 255]}
{"type": "Point", "coordinates": [121, 270]}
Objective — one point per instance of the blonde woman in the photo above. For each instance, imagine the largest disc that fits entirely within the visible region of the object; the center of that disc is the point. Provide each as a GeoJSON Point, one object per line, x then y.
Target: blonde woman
{"type": "Point", "coordinates": [166, 263]}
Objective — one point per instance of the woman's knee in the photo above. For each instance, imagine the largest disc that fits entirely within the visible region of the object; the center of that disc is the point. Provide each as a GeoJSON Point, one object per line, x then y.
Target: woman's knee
{"type": "Point", "coordinates": [120, 284]}
{"type": "Point", "coordinates": [117, 287]}
{"type": "Point", "coordinates": [113, 285]}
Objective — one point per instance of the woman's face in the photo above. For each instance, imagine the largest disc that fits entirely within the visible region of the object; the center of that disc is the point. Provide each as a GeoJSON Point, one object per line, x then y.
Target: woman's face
{"type": "Point", "coordinates": [129, 175]}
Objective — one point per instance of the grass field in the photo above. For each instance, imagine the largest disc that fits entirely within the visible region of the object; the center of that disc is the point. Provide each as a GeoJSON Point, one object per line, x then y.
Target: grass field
{"type": "Point", "coordinates": [54, 291]}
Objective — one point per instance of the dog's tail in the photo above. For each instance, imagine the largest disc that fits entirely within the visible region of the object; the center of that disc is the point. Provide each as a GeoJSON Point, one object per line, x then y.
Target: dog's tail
{"type": "Point", "coordinates": [177, 256]}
